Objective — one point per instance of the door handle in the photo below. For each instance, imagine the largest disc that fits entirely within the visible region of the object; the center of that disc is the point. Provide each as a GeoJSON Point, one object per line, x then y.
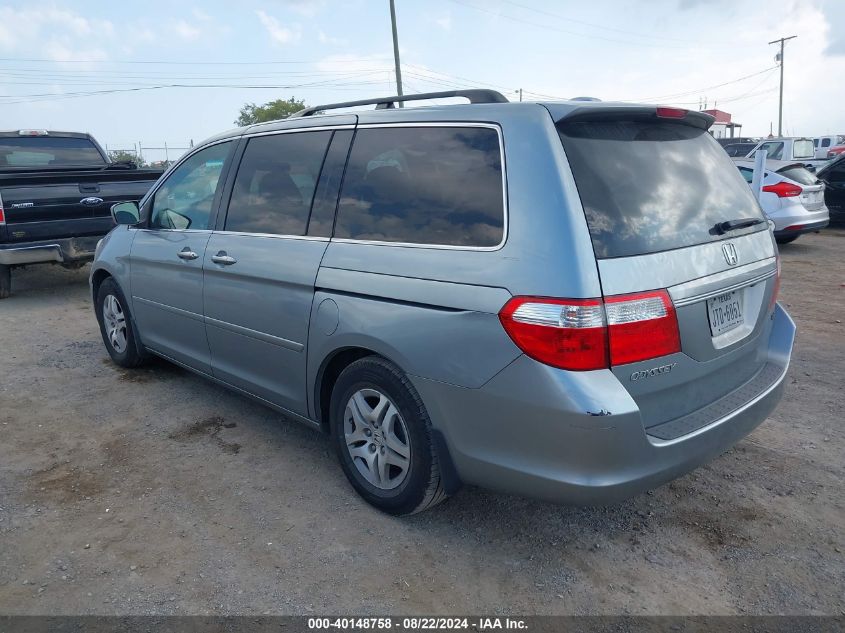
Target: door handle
{"type": "Point", "coordinates": [187, 254]}
{"type": "Point", "coordinates": [223, 259]}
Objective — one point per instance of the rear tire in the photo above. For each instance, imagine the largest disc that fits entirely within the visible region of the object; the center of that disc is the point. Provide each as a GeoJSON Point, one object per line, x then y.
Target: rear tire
{"type": "Point", "coordinates": [786, 240]}
{"type": "Point", "coordinates": [383, 438]}
{"type": "Point", "coordinates": [116, 326]}
{"type": "Point", "coordinates": [5, 281]}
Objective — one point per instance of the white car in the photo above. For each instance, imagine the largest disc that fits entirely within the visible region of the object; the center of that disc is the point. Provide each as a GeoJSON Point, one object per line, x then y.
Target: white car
{"type": "Point", "coordinates": [792, 197]}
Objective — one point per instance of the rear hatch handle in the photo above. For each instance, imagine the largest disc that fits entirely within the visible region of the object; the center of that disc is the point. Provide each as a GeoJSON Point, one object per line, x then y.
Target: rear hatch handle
{"type": "Point", "coordinates": [733, 225]}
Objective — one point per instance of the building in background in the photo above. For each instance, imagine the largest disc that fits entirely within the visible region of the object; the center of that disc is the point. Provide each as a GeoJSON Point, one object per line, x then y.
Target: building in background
{"type": "Point", "coordinates": [723, 127]}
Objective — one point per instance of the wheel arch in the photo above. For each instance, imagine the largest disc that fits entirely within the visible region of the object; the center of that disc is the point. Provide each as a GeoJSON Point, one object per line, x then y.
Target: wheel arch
{"type": "Point", "coordinates": [330, 369]}
{"type": "Point", "coordinates": [97, 278]}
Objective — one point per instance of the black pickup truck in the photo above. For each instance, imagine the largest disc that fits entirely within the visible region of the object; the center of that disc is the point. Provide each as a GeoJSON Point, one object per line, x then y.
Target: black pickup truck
{"type": "Point", "coordinates": [56, 191]}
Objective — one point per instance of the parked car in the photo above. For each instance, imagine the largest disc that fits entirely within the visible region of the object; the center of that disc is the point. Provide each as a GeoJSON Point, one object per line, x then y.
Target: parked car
{"type": "Point", "coordinates": [530, 297]}
{"type": "Point", "coordinates": [56, 189]}
{"type": "Point", "coordinates": [739, 149]}
{"type": "Point", "coordinates": [792, 197]}
{"type": "Point", "coordinates": [823, 144]}
{"type": "Point", "coordinates": [790, 149]}
{"type": "Point", "coordinates": [835, 151]}
{"type": "Point", "coordinates": [833, 177]}
{"type": "Point", "coordinates": [725, 141]}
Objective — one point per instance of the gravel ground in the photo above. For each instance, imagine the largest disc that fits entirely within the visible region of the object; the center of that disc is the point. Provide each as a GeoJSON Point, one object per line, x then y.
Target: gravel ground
{"type": "Point", "coordinates": [155, 492]}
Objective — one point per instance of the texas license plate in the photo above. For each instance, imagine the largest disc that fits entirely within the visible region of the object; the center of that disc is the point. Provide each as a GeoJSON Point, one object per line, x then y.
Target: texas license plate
{"type": "Point", "coordinates": [725, 312]}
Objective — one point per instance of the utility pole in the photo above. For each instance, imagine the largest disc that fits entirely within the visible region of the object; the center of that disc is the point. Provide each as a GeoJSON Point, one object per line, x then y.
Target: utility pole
{"type": "Point", "coordinates": [780, 59]}
{"type": "Point", "coordinates": [396, 51]}
{"type": "Point", "coordinates": [520, 95]}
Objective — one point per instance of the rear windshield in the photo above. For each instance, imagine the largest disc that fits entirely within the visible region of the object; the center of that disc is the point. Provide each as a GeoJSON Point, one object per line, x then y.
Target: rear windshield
{"type": "Point", "coordinates": [803, 149]}
{"type": "Point", "coordinates": [48, 151]}
{"type": "Point", "coordinates": [649, 186]}
{"type": "Point", "coordinates": [799, 174]}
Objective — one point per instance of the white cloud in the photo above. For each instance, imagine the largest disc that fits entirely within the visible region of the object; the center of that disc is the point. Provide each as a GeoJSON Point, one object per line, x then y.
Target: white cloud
{"type": "Point", "coordinates": [201, 15]}
{"type": "Point", "coordinates": [444, 22]}
{"type": "Point", "coordinates": [62, 53]}
{"type": "Point", "coordinates": [58, 34]}
{"type": "Point", "coordinates": [19, 28]}
{"type": "Point", "coordinates": [306, 8]}
{"type": "Point", "coordinates": [279, 34]}
{"type": "Point", "coordinates": [328, 39]}
{"type": "Point", "coordinates": [186, 31]}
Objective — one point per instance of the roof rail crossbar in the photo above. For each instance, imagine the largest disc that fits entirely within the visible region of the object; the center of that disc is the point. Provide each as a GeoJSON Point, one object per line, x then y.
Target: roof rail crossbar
{"type": "Point", "coordinates": [475, 96]}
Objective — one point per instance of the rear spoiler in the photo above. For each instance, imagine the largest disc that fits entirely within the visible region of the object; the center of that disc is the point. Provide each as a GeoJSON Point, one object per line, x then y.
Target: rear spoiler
{"type": "Point", "coordinates": [692, 118]}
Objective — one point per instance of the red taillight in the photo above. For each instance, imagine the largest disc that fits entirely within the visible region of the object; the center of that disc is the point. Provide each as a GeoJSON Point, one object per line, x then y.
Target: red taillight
{"type": "Point", "coordinates": [563, 333]}
{"type": "Point", "coordinates": [2, 215]}
{"type": "Point", "coordinates": [574, 333]}
{"type": "Point", "coordinates": [641, 326]}
{"type": "Point", "coordinates": [784, 189]}
{"type": "Point", "coordinates": [671, 113]}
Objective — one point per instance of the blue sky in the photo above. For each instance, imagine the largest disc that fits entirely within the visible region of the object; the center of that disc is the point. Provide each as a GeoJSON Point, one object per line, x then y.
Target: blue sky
{"type": "Point", "coordinates": [669, 51]}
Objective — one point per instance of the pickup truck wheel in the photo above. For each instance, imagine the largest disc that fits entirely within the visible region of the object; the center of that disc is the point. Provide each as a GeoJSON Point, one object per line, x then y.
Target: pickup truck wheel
{"type": "Point", "coordinates": [5, 281]}
{"type": "Point", "coordinates": [382, 434]}
{"type": "Point", "coordinates": [115, 321]}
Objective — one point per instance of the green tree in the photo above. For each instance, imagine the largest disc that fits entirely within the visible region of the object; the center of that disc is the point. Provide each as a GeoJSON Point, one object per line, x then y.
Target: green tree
{"type": "Point", "coordinates": [270, 111]}
{"type": "Point", "coordinates": [122, 156]}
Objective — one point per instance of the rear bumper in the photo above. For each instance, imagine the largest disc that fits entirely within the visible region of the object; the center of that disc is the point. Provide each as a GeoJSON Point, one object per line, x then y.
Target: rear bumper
{"type": "Point", "coordinates": [579, 437]}
{"type": "Point", "coordinates": [63, 251]}
{"type": "Point", "coordinates": [801, 227]}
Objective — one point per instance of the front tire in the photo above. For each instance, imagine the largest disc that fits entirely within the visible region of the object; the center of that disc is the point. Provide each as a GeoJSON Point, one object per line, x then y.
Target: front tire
{"type": "Point", "coordinates": [383, 438]}
{"type": "Point", "coordinates": [5, 281]}
{"type": "Point", "coordinates": [116, 325]}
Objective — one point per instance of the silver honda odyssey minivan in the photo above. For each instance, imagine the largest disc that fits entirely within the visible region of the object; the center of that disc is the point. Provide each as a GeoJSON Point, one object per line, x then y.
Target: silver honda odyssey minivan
{"type": "Point", "coordinates": [574, 301]}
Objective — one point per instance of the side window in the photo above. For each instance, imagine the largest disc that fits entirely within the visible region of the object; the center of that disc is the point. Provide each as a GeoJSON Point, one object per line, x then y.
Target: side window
{"type": "Point", "coordinates": [748, 174]}
{"type": "Point", "coordinates": [275, 183]}
{"type": "Point", "coordinates": [325, 199]}
{"type": "Point", "coordinates": [837, 174]}
{"type": "Point", "coordinates": [825, 142]}
{"type": "Point", "coordinates": [424, 185]}
{"type": "Point", "coordinates": [773, 150]}
{"type": "Point", "coordinates": [184, 200]}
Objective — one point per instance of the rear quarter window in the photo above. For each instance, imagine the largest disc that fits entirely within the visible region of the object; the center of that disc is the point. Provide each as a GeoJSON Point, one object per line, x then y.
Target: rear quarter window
{"type": "Point", "coordinates": [424, 185]}
{"type": "Point", "coordinates": [649, 186]}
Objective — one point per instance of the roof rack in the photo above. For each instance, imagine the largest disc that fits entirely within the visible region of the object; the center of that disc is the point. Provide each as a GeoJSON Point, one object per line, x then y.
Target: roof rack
{"type": "Point", "coordinates": [384, 103]}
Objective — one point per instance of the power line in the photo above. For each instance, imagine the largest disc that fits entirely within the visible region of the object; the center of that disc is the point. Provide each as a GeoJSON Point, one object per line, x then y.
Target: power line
{"type": "Point", "coordinates": [590, 24]}
{"type": "Point", "coordinates": [697, 90]}
{"type": "Point", "coordinates": [560, 30]}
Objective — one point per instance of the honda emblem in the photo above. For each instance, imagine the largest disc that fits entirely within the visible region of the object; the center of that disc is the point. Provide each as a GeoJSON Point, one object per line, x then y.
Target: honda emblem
{"type": "Point", "coordinates": [729, 251]}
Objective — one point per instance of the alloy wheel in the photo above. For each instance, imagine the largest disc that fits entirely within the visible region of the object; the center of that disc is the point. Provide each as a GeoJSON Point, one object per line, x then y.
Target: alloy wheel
{"type": "Point", "coordinates": [114, 322]}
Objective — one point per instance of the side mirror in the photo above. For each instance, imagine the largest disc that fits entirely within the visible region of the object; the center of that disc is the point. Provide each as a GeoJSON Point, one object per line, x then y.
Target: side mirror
{"type": "Point", "coordinates": [771, 224]}
{"type": "Point", "coordinates": [126, 213]}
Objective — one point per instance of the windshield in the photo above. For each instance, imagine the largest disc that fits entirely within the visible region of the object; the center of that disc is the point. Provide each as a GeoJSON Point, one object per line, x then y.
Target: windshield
{"type": "Point", "coordinates": [48, 151]}
{"type": "Point", "coordinates": [649, 186]}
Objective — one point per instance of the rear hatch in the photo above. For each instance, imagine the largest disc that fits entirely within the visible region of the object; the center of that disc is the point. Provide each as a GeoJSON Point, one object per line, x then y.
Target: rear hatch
{"type": "Point", "coordinates": [675, 228]}
{"type": "Point", "coordinates": [812, 189]}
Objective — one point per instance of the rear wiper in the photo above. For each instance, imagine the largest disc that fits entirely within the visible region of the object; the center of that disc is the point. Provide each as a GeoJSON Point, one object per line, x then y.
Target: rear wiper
{"type": "Point", "coordinates": [733, 225]}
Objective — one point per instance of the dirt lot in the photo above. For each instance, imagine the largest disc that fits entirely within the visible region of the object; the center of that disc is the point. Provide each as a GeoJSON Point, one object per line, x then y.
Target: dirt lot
{"type": "Point", "coordinates": [154, 491]}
